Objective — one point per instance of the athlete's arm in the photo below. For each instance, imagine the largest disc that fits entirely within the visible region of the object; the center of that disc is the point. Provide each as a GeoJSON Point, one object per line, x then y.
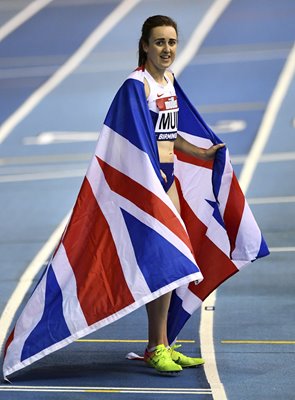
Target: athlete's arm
{"type": "Point", "coordinates": [188, 148]}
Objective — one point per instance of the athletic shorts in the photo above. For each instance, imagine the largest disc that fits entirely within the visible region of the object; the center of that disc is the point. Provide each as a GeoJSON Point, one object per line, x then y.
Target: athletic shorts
{"type": "Point", "coordinates": [168, 169]}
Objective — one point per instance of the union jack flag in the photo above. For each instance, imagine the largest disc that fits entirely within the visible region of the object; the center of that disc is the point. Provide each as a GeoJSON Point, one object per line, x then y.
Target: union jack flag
{"type": "Point", "coordinates": [126, 244]}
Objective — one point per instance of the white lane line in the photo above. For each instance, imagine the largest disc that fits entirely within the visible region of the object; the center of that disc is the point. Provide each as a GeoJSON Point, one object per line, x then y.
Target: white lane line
{"type": "Point", "coordinates": [274, 157]}
{"type": "Point", "coordinates": [104, 389]}
{"type": "Point", "coordinates": [261, 46]}
{"type": "Point", "coordinates": [231, 107]}
{"type": "Point", "coordinates": [41, 176]}
{"type": "Point", "coordinates": [185, 389]}
{"type": "Point", "coordinates": [226, 126]}
{"type": "Point", "coordinates": [57, 137]}
{"type": "Point", "coordinates": [27, 279]}
{"type": "Point", "coordinates": [206, 323]}
{"type": "Point", "coordinates": [22, 17]}
{"type": "Point", "coordinates": [113, 391]}
{"type": "Point", "coordinates": [282, 249]}
{"type": "Point", "coordinates": [45, 159]}
{"type": "Point", "coordinates": [28, 61]}
{"type": "Point", "coordinates": [206, 326]}
{"type": "Point", "coordinates": [53, 158]}
{"type": "Point", "coordinates": [239, 159]}
{"type": "Point", "coordinates": [199, 35]}
{"type": "Point", "coordinates": [44, 167]}
{"type": "Point", "coordinates": [268, 121]}
{"type": "Point", "coordinates": [241, 56]}
{"type": "Point", "coordinates": [266, 158]}
{"type": "Point", "coordinates": [271, 200]}
{"type": "Point", "coordinates": [29, 72]}
{"type": "Point", "coordinates": [68, 67]}
{"type": "Point", "coordinates": [208, 349]}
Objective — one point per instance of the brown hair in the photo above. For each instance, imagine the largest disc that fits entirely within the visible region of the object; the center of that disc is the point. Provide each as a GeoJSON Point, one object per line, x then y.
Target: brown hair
{"type": "Point", "coordinates": [149, 24]}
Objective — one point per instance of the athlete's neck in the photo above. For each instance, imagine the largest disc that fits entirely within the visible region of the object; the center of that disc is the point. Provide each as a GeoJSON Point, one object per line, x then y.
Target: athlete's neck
{"type": "Point", "coordinates": [157, 74]}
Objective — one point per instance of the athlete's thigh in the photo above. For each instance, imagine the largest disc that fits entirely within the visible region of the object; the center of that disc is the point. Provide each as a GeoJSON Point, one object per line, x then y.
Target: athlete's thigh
{"type": "Point", "coordinates": [173, 194]}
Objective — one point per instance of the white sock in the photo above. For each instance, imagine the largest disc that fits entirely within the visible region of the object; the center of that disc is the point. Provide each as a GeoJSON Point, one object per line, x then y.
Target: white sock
{"type": "Point", "coordinates": [151, 349]}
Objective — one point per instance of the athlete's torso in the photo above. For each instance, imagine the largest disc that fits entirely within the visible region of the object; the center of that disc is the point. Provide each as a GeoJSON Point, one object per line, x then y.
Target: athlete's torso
{"type": "Point", "coordinates": [163, 106]}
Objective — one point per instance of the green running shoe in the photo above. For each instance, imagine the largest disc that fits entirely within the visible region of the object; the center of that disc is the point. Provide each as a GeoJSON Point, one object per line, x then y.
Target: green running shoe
{"type": "Point", "coordinates": [160, 359]}
{"type": "Point", "coordinates": [184, 361]}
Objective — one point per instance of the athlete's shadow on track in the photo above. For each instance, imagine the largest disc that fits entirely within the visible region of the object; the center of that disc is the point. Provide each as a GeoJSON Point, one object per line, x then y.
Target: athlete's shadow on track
{"type": "Point", "coordinates": [95, 369]}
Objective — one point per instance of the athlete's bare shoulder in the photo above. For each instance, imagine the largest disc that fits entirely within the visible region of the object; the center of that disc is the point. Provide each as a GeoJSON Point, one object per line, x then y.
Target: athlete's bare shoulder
{"type": "Point", "coordinates": [170, 75]}
{"type": "Point", "coordinates": [146, 88]}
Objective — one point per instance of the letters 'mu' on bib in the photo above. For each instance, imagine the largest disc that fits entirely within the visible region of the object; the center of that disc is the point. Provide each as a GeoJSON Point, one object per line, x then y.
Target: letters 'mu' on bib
{"type": "Point", "coordinates": [166, 125]}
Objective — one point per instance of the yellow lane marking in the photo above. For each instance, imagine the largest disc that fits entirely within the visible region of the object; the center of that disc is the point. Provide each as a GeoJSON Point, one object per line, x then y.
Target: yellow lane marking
{"type": "Point", "coordinates": [258, 341]}
{"type": "Point", "coordinates": [124, 341]}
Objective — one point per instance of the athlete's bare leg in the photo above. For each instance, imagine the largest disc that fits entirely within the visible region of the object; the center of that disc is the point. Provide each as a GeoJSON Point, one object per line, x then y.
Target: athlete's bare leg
{"type": "Point", "coordinates": [157, 310]}
{"type": "Point", "coordinates": [173, 194]}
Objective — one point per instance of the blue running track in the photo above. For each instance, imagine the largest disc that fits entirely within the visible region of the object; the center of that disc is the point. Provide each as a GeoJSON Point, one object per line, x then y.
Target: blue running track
{"type": "Point", "coordinates": [242, 72]}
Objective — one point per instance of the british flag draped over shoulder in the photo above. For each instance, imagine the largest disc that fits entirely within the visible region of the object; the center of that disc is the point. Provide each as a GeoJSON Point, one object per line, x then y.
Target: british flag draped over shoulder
{"type": "Point", "coordinates": [126, 244]}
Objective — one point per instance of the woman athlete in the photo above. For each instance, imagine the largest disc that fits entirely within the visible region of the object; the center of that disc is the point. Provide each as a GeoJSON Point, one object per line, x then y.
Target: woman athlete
{"type": "Point", "coordinates": [157, 51]}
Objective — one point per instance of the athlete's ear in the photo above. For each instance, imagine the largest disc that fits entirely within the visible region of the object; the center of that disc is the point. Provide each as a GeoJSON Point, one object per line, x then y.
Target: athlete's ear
{"type": "Point", "coordinates": [145, 46]}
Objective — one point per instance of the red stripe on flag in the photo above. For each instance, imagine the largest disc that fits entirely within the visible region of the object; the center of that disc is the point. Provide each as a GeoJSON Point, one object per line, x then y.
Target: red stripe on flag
{"type": "Point", "coordinates": [194, 160]}
{"type": "Point", "coordinates": [9, 340]}
{"type": "Point", "coordinates": [234, 211]}
{"type": "Point", "coordinates": [102, 289]}
{"type": "Point", "coordinates": [144, 199]}
{"type": "Point", "coordinates": [215, 266]}
{"type": "Point", "coordinates": [195, 228]}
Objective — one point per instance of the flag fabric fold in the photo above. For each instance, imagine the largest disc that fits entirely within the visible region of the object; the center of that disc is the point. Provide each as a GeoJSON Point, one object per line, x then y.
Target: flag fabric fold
{"type": "Point", "coordinates": [126, 244]}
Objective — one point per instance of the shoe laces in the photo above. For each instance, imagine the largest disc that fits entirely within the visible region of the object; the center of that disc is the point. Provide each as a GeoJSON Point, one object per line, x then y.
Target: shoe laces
{"type": "Point", "coordinates": [161, 351]}
{"type": "Point", "coordinates": [175, 346]}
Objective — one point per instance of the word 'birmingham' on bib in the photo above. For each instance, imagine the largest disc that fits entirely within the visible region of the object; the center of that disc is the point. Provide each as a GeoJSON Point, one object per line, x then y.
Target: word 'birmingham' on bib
{"type": "Point", "coordinates": [168, 114]}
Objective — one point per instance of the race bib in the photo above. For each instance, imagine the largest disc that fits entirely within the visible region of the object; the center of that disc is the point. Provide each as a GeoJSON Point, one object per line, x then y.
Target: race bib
{"type": "Point", "coordinates": [166, 126]}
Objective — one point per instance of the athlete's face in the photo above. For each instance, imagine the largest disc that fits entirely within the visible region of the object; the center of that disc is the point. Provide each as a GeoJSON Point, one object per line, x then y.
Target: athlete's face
{"type": "Point", "coordinates": [161, 49]}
